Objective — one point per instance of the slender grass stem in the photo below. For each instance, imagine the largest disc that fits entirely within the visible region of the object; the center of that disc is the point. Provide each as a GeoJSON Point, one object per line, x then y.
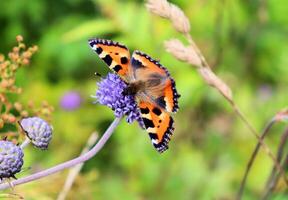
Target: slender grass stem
{"type": "Point", "coordinates": [261, 142]}
{"type": "Point", "coordinates": [252, 158]}
{"type": "Point", "coordinates": [274, 176]}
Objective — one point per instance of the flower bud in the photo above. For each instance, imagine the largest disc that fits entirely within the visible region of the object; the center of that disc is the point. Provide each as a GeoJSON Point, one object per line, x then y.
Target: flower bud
{"type": "Point", "coordinates": [38, 131]}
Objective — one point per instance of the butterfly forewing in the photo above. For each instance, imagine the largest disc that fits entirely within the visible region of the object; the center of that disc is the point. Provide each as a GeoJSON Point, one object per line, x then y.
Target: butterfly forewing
{"type": "Point", "coordinates": [114, 54]}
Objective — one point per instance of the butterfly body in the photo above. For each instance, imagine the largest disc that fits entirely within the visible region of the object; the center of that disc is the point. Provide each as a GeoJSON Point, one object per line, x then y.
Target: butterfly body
{"type": "Point", "coordinates": [149, 82]}
{"type": "Point", "coordinates": [134, 88]}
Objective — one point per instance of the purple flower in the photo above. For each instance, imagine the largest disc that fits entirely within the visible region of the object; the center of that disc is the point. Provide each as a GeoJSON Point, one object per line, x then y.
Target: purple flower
{"type": "Point", "coordinates": [70, 100]}
{"type": "Point", "coordinates": [11, 159]}
{"type": "Point", "coordinates": [109, 93]}
{"type": "Point", "coordinates": [38, 131]}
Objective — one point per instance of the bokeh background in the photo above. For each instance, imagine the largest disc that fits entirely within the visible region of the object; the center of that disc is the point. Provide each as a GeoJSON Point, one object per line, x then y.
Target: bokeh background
{"type": "Point", "coordinates": [244, 41]}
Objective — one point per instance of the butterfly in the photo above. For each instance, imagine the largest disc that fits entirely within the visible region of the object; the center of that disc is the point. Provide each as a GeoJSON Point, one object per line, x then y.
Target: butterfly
{"type": "Point", "coordinates": [149, 82]}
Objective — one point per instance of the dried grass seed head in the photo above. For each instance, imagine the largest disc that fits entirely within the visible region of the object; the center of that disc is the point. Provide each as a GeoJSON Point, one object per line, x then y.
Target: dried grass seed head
{"type": "Point", "coordinates": [168, 10]}
{"type": "Point", "coordinates": [182, 52]}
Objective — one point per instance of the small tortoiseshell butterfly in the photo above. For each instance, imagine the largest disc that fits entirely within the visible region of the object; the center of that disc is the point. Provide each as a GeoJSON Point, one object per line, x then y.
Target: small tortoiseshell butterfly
{"type": "Point", "coordinates": [149, 82]}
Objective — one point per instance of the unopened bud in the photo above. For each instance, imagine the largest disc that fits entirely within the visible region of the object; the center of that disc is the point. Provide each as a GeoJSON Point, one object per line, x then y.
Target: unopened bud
{"type": "Point", "coordinates": [11, 119]}
{"type": "Point", "coordinates": [25, 61]}
{"type": "Point", "coordinates": [16, 49]}
{"type": "Point", "coordinates": [19, 38]}
{"type": "Point", "coordinates": [24, 113]}
{"type": "Point", "coordinates": [27, 54]}
{"type": "Point", "coordinates": [18, 106]}
{"type": "Point", "coordinates": [34, 48]}
{"type": "Point", "coordinates": [4, 83]}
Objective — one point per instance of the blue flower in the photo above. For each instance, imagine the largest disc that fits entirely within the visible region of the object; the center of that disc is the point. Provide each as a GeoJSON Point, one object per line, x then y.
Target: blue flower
{"type": "Point", "coordinates": [38, 131]}
{"type": "Point", "coordinates": [11, 159]}
{"type": "Point", "coordinates": [110, 93]}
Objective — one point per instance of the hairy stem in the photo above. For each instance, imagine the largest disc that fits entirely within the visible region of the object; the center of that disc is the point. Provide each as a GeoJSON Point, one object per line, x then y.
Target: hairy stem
{"type": "Point", "coordinates": [69, 163]}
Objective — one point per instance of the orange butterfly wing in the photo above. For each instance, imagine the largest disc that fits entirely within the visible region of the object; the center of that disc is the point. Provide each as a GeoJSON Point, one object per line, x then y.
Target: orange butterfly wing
{"type": "Point", "coordinates": [114, 54]}
{"type": "Point", "coordinates": [161, 87]}
{"type": "Point", "coordinates": [158, 123]}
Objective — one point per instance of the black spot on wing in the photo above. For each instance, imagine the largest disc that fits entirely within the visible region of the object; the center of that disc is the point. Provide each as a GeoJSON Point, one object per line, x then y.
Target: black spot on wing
{"type": "Point", "coordinates": [108, 60]}
{"type": "Point", "coordinates": [124, 60]}
{"type": "Point", "coordinates": [161, 102]}
{"type": "Point", "coordinates": [153, 136]}
{"type": "Point", "coordinates": [144, 110]}
{"type": "Point", "coordinates": [157, 111]}
{"type": "Point", "coordinates": [148, 123]}
{"type": "Point", "coordinates": [99, 50]}
{"type": "Point", "coordinates": [117, 68]}
{"type": "Point", "coordinates": [136, 63]}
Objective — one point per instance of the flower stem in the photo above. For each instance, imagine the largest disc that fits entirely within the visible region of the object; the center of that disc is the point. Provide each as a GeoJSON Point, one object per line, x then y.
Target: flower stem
{"type": "Point", "coordinates": [69, 163]}
{"type": "Point", "coordinates": [25, 143]}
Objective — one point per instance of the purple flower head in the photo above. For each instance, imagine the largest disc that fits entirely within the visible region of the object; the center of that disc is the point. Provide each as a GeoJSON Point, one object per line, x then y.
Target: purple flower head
{"type": "Point", "coordinates": [70, 100]}
{"type": "Point", "coordinates": [38, 131]}
{"type": "Point", "coordinates": [109, 93]}
{"type": "Point", "coordinates": [11, 159]}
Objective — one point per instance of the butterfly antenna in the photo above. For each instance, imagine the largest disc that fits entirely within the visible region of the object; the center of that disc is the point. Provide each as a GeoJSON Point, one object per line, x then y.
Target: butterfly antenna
{"type": "Point", "coordinates": [98, 74]}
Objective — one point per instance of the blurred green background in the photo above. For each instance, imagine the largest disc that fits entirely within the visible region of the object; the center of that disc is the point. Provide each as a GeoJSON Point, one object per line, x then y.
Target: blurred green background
{"type": "Point", "coordinates": [246, 45]}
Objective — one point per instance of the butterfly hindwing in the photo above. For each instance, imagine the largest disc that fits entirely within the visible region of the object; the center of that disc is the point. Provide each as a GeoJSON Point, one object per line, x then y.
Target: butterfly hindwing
{"type": "Point", "coordinates": [158, 123]}
{"type": "Point", "coordinates": [160, 86]}
{"type": "Point", "coordinates": [114, 54]}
